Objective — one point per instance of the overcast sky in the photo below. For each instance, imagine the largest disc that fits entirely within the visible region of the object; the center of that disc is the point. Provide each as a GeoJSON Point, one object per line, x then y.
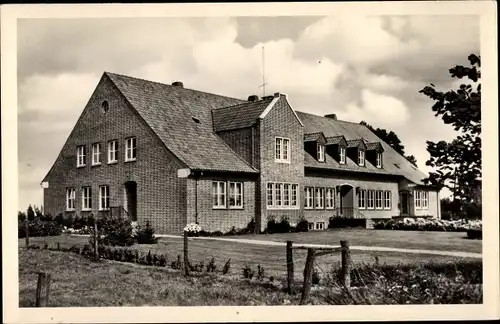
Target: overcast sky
{"type": "Point", "coordinates": [367, 68]}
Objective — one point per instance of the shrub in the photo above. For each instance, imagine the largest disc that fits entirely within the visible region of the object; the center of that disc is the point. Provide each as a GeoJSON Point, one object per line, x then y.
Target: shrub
{"type": "Point", "coordinates": [227, 267]}
{"type": "Point", "coordinates": [260, 272]}
{"type": "Point", "coordinates": [114, 231]}
{"type": "Point", "coordinates": [146, 235]}
{"type": "Point", "coordinates": [21, 216]}
{"type": "Point", "coordinates": [211, 265]}
{"type": "Point", "coordinates": [248, 272]}
{"type": "Point", "coordinates": [30, 213]}
{"type": "Point", "coordinates": [68, 221]}
{"type": "Point", "coordinates": [192, 229]}
{"type": "Point", "coordinates": [282, 227]}
{"type": "Point", "coordinates": [427, 224]}
{"type": "Point", "coordinates": [39, 228]}
{"type": "Point", "coordinates": [78, 223]}
{"type": "Point", "coordinates": [302, 226]}
{"type": "Point", "coordinates": [251, 227]}
{"type": "Point", "coordinates": [315, 277]}
{"type": "Point", "coordinates": [89, 221]}
{"type": "Point", "coordinates": [59, 219]}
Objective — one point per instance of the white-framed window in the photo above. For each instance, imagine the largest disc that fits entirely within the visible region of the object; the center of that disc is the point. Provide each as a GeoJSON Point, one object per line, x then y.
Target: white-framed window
{"type": "Point", "coordinates": [308, 195]}
{"type": "Point", "coordinates": [282, 195]}
{"type": "Point", "coordinates": [342, 155]}
{"type": "Point", "coordinates": [286, 195]}
{"type": "Point", "coordinates": [320, 198]}
{"type": "Point", "coordinates": [219, 194]}
{"type": "Point", "coordinates": [130, 149]}
{"type": "Point", "coordinates": [294, 195]}
{"type": "Point", "coordinates": [418, 199]}
{"type": "Point", "coordinates": [103, 197]}
{"type": "Point", "coordinates": [379, 160]}
{"type": "Point", "coordinates": [379, 199]}
{"type": "Point", "coordinates": [112, 151]}
{"type": "Point", "coordinates": [370, 199]}
{"type": "Point", "coordinates": [330, 198]}
{"type": "Point", "coordinates": [70, 199]}
{"type": "Point", "coordinates": [320, 225]}
{"type": "Point", "coordinates": [270, 194]}
{"type": "Point", "coordinates": [86, 198]}
{"type": "Point", "coordinates": [361, 157]}
{"type": "Point", "coordinates": [425, 199]}
{"type": "Point", "coordinates": [81, 156]}
{"type": "Point", "coordinates": [321, 153]}
{"type": "Point", "coordinates": [362, 199]}
{"type": "Point", "coordinates": [387, 199]}
{"type": "Point", "coordinates": [282, 150]}
{"type": "Point", "coordinates": [310, 226]}
{"type": "Point", "coordinates": [235, 195]}
{"type": "Point", "coordinates": [96, 154]}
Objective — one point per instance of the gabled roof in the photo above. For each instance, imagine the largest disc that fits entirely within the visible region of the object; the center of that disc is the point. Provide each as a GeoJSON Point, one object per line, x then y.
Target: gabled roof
{"type": "Point", "coordinates": [239, 116]}
{"type": "Point", "coordinates": [169, 111]}
{"type": "Point", "coordinates": [315, 137]}
{"type": "Point", "coordinates": [374, 146]}
{"type": "Point", "coordinates": [353, 131]}
{"type": "Point", "coordinates": [336, 140]}
{"type": "Point", "coordinates": [359, 143]}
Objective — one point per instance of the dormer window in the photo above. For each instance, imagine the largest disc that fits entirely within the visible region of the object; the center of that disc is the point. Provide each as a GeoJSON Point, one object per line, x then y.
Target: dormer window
{"type": "Point", "coordinates": [342, 155]}
{"type": "Point", "coordinates": [361, 157]}
{"type": "Point", "coordinates": [379, 160]}
{"type": "Point", "coordinates": [321, 153]}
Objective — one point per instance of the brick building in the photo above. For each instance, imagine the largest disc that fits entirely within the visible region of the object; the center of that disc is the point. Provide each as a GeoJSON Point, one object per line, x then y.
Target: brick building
{"type": "Point", "coordinates": [173, 156]}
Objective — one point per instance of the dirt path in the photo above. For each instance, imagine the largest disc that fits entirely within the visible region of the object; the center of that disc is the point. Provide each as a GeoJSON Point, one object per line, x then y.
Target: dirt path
{"type": "Point", "coordinates": [355, 247]}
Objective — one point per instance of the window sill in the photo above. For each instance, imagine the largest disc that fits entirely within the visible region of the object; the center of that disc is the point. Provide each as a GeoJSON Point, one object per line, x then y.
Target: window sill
{"type": "Point", "coordinates": [86, 209]}
{"type": "Point", "coordinates": [237, 208]}
{"type": "Point", "coordinates": [70, 210]}
{"type": "Point", "coordinates": [80, 166]}
{"type": "Point", "coordinates": [282, 161]}
{"type": "Point", "coordinates": [97, 164]}
{"type": "Point", "coordinates": [103, 209]}
{"type": "Point", "coordinates": [330, 208]}
{"type": "Point", "coordinates": [221, 207]}
{"type": "Point", "coordinates": [113, 162]}
{"type": "Point", "coordinates": [133, 160]}
{"type": "Point", "coordinates": [282, 208]}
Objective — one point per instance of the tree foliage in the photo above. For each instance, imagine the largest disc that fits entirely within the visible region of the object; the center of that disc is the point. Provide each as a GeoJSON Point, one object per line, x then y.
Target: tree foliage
{"type": "Point", "coordinates": [457, 164]}
{"type": "Point", "coordinates": [392, 139]}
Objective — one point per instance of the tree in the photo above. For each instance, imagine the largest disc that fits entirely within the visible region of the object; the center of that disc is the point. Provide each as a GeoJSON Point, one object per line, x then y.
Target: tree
{"type": "Point", "coordinates": [392, 139]}
{"type": "Point", "coordinates": [30, 213]}
{"type": "Point", "coordinates": [457, 164]}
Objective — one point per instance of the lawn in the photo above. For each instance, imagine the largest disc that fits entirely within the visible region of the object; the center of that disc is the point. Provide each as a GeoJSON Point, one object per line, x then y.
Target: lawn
{"type": "Point", "coordinates": [77, 281]}
{"type": "Point", "coordinates": [443, 241]}
{"type": "Point", "coordinates": [272, 258]}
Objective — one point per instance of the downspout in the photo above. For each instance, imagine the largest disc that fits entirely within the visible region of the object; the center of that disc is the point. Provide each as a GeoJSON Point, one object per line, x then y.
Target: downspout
{"type": "Point", "coordinates": [196, 198]}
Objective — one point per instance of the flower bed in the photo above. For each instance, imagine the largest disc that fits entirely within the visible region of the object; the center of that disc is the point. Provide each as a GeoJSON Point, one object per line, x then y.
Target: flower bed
{"type": "Point", "coordinates": [429, 224]}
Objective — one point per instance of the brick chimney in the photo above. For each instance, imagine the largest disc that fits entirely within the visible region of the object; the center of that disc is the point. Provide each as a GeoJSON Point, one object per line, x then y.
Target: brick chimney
{"type": "Point", "coordinates": [178, 84]}
{"type": "Point", "coordinates": [253, 98]}
{"type": "Point", "coordinates": [331, 116]}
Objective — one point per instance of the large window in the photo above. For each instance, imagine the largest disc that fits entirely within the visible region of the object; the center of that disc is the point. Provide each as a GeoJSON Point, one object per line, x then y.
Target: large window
{"type": "Point", "coordinates": [219, 194]}
{"type": "Point", "coordinates": [235, 195]}
{"type": "Point", "coordinates": [320, 198]}
{"type": "Point", "coordinates": [342, 155]}
{"type": "Point", "coordinates": [379, 160]}
{"type": "Point", "coordinates": [418, 199]}
{"type": "Point", "coordinates": [86, 198]}
{"type": "Point", "coordinates": [282, 149]}
{"type": "Point", "coordinates": [282, 195]}
{"type": "Point", "coordinates": [330, 198]}
{"type": "Point", "coordinates": [70, 199]}
{"type": "Point", "coordinates": [361, 157]}
{"type": "Point", "coordinates": [362, 199]}
{"type": "Point", "coordinates": [425, 199]}
{"type": "Point", "coordinates": [96, 154]}
{"type": "Point", "coordinates": [103, 197]}
{"type": "Point", "coordinates": [112, 151]}
{"type": "Point", "coordinates": [321, 153]}
{"type": "Point", "coordinates": [371, 199]}
{"type": "Point", "coordinates": [130, 149]}
{"type": "Point", "coordinates": [308, 193]}
{"type": "Point", "coordinates": [387, 199]}
{"type": "Point", "coordinates": [379, 199]}
{"type": "Point", "coordinates": [81, 156]}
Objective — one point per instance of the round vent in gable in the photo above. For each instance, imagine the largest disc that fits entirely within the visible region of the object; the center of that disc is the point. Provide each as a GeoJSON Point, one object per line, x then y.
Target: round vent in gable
{"type": "Point", "coordinates": [105, 107]}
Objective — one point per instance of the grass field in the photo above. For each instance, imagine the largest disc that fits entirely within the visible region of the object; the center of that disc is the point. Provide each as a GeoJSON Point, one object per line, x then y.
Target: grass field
{"type": "Point", "coordinates": [77, 281]}
{"type": "Point", "coordinates": [443, 241]}
{"type": "Point", "coordinates": [273, 258]}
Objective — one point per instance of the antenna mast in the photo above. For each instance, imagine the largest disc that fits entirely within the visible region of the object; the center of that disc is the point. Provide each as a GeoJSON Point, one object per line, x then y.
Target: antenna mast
{"type": "Point", "coordinates": [263, 85]}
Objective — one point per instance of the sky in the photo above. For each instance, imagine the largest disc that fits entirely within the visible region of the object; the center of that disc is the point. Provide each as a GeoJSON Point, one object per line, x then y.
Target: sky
{"type": "Point", "coordinates": [361, 68]}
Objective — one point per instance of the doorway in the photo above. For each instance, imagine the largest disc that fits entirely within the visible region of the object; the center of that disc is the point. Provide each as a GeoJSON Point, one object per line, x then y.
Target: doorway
{"type": "Point", "coordinates": [405, 202]}
{"type": "Point", "coordinates": [346, 201]}
{"type": "Point", "coordinates": [130, 200]}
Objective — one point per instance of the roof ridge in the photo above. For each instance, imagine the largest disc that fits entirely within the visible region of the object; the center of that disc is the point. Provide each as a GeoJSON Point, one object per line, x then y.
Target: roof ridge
{"type": "Point", "coordinates": [241, 104]}
{"type": "Point", "coordinates": [169, 85]}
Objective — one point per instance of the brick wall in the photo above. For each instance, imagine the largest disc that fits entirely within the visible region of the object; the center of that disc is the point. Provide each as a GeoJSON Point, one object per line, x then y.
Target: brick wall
{"type": "Point", "coordinates": [161, 196]}
{"type": "Point", "coordinates": [210, 219]}
{"type": "Point", "coordinates": [280, 122]}
{"type": "Point", "coordinates": [242, 142]}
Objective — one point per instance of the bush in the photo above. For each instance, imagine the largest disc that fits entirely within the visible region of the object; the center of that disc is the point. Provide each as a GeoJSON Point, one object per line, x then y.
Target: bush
{"type": "Point", "coordinates": [282, 227]}
{"type": "Point", "coordinates": [21, 216]}
{"type": "Point", "coordinates": [251, 227]}
{"type": "Point", "coordinates": [113, 231]}
{"type": "Point", "coordinates": [211, 265]}
{"type": "Point", "coordinates": [261, 273]}
{"type": "Point", "coordinates": [227, 267]}
{"type": "Point", "coordinates": [302, 226]}
{"type": "Point", "coordinates": [428, 224]}
{"type": "Point", "coordinates": [248, 272]}
{"type": "Point", "coordinates": [68, 221]}
{"type": "Point", "coordinates": [342, 222]}
{"type": "Point", "coordinates": [146, 235]}
{"type": "Point", "coordinates": [78, 223]}
{"type": "Point", "coordinates": [59, 219]}
{"type": "Point", "coordinates": [39, 228]}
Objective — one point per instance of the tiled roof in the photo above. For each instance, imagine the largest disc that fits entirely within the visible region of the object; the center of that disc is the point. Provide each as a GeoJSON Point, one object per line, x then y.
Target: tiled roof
{"type": "Point", "coordinates": [355, 143]}
{"type": "Point", "coordinates": [169, 111]}
{"type": "Point", "coordinates": [312, 137]}
{"type": "Point", "coordinates": [373, 146]}
{"type": "Point", "coordinates": [353, 131]}
{"type": "Point", "coordinates": [239, 116]}
{"type": "Point", "coordinates": [334, 139]}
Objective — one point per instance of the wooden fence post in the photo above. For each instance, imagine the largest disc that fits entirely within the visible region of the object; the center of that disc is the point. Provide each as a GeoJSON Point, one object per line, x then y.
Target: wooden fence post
{"type": "Point", "coordinates": [26, 229]}
{"type": "Point", "coordinates": [96, 241]}
{"type": "Point", "coordinates": [289, 266]}
{"type": "Point", "coordinates": [308, 269]}
{"type": "Point", "coordinates": [42, 290]}
{"type": "Point", "coordinates": [346, 264]}
{"type": "Point", "coordinates": [186, 259]}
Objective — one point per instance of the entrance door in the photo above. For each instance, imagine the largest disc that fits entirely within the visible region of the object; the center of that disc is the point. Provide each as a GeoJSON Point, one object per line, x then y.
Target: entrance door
{"type": "Point", "coordinates": [346, 201]}
{"type": "Point", "coordinates": [131, 200]}
{"type": "Point", "coordinates": [404, 203]}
